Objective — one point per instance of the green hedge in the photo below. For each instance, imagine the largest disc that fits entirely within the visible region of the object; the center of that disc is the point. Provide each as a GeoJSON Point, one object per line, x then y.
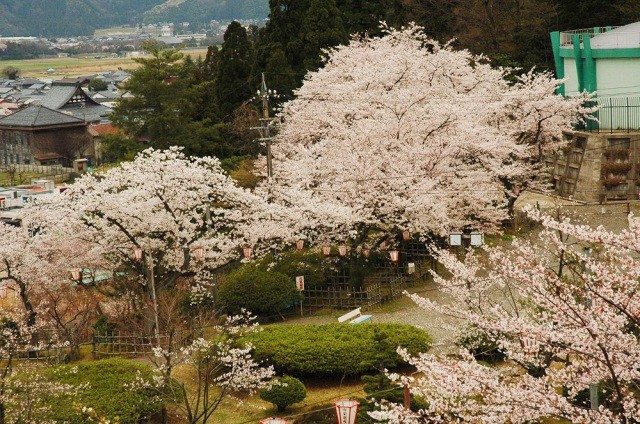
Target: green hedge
{"type": "Point", "coordinates": [303, 350]}
{"type": "Point", "coordinates": [106, 392]}
{"type": "Point", "coordinates": [257, 290]}
{"type": "Point", "coordinates": [313, 266]}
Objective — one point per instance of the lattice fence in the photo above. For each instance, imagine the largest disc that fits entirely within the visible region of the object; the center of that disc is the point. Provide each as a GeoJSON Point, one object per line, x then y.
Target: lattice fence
{"type": "Point", "coordinates": [119, 343]}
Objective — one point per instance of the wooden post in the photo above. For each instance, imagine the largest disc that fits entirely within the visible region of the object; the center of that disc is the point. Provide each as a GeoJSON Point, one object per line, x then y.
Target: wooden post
{"type": "Point", "coordinates": [407, 397]}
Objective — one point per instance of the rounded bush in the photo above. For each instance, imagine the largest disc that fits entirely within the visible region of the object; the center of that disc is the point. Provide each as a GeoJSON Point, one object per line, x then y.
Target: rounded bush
{"type": "Point", "coordinates": [302, 350]}
{"type": "Point", "coordinates": [257, 290]}
{"type": "Point", "coordinates": [284, 391]}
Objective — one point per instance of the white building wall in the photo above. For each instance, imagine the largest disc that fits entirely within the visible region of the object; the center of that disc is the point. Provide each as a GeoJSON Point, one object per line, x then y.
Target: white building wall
{"type": "Point", "coordinates": [571, 75]}
{"type": "Point", "coordinates": [618, 77]}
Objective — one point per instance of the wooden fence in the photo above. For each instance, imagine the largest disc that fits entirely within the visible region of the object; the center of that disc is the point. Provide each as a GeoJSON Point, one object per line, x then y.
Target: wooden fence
{"type": "Point", "coordinates": [128, 343]}
{"type": "Point", "coordinates": [37, 169]}
{"type": "Point", "coordinates": [58, 174]}
{"type": "Point", "coordinates": [50, 355]}
{"type": "Point", "coordinates": [387, 280]}
{"type": "Point", "coordinates": [343, 296]}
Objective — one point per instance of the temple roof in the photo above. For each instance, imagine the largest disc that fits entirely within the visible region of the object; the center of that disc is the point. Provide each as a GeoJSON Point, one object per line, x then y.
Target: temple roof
{"type": "Point", "coordinates": [35, 116]}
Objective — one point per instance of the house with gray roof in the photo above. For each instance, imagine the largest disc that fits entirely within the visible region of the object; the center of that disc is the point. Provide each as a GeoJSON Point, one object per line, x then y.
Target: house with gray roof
{"type": "Point", "coordinates": [43, 136]}
{"type": "Point", "coordinates": [71, 98]}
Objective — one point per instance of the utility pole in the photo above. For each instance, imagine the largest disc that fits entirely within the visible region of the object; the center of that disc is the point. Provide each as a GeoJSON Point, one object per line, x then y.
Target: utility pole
{"type": "Point", "coordinates": [265, 128]}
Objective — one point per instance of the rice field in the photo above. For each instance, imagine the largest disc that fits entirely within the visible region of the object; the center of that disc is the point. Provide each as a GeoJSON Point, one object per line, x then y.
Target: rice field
{"type": "Point", "coordinates": [77, 66]}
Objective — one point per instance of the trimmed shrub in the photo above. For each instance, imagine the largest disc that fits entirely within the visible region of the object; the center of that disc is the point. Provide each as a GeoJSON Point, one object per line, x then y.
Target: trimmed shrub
{"type": "Point", "coordinates": [106, 393]}
{"type": "Point", "coordinates": [260, 291]}
{"type": "Point", "coordinates": [284, 391]}
{"type": "Point", "coordinates": [303, 350]}
{"type": "Point", "coordinates": [313, 266]}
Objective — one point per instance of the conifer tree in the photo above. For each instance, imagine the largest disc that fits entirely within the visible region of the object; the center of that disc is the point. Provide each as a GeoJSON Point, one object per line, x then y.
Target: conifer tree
{"type": "Point", "coordinates": [233, 69]}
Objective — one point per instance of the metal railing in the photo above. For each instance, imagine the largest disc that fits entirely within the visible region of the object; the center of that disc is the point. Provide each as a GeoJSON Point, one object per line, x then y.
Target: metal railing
{"type": "Point", "coordinates": [566, 37]}
{"type": "Point", "coordinates": [615, 114]}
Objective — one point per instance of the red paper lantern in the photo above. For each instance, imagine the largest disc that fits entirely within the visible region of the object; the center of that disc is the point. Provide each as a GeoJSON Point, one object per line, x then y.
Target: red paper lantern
{"type": "Point", "coordinates": [300, 244]}
{"type": "Point", "coordinates": [199, 253]}
{"type": "Point", "coordinates": [394, 255]}
{"type": "Point", "coordinates": [76, 274]}
{"type": "Point", "coordinates": [406, 235]}
{"type": "Point", "coordinates": [342, 249]}
{"type": "Point", "coordinates": [326, 249]}
{"type": "Point", "coordinates": [366, 252]}
{"type": "Point", "coordinates": [137, 253]}
{"type": "Point", "coordinates": [246, 252]}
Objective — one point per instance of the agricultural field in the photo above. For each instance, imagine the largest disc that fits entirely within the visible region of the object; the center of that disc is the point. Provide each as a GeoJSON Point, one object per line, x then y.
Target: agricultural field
{"type": "Point", "coordinates": [76, 66]}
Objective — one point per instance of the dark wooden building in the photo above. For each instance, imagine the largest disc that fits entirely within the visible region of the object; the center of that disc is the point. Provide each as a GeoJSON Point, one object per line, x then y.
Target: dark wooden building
{"type": "Point", "coordinates": [42, 136]}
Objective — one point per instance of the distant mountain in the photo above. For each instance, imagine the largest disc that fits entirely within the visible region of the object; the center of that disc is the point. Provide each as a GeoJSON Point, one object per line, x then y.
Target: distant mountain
{"type": "Point", "coordinates": [51, 18]}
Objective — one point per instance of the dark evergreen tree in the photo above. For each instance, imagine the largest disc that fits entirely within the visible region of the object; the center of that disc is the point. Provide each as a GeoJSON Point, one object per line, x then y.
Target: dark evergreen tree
{"type": "Point", "coordinates": [322, 27]}
{"type": "Point", "coordinates": [172, 105]}
{"type": "Point", "coordinates": [363, 17]}
{"type": "Point", "coordinates": [234, 66]}
{"type": "Point", "coordinates": [299, 30]}
{"type": "Point", "coordinates": [279, 73]}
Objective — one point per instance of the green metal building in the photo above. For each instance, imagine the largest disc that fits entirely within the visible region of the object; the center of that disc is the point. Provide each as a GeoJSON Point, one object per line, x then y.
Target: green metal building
{"type": "Point", "coordinates": [602, 162]}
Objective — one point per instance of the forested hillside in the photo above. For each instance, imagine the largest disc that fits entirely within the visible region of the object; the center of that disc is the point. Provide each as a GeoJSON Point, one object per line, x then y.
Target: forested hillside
{"type": "Point", "coordinates": [82, 17]}
{"type": "Point", "coordinates": [203, 11]}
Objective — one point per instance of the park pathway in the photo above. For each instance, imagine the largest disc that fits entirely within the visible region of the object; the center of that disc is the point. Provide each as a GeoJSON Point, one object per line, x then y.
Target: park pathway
{"type": "Point", "coordinates": [613, 217]}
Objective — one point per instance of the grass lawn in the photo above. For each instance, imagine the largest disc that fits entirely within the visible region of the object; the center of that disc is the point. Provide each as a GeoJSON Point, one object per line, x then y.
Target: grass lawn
{"type": "Point", "coordinates": [20, 178]}
{"type": "Point", "coordinates": [321, 393]}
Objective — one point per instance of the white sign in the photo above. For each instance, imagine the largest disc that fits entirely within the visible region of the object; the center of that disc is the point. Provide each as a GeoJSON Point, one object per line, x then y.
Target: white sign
{"type": "Point", "coordinates": [300, 282]}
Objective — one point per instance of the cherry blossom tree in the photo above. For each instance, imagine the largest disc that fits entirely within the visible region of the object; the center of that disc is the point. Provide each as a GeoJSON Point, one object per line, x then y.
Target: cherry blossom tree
{"type": "Point", "coordinates": [35, 264]}
{"type": "Point", "coordinates": [216, 368]}
{"type": "Point", "coordinates": [25, 394]}
{"type": "Point", "coordinates": [170, 206]}
{"type": "Point", "coordinates": [564, 336]}
{"type": "Point", "coordinates": [403, 133]}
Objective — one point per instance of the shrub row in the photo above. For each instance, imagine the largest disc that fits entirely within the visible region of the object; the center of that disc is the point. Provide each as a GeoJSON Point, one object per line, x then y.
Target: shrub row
{"type": "Point", "coordinates": [106, 392]}
{"type": "Point", "coordinates": [304, 350]}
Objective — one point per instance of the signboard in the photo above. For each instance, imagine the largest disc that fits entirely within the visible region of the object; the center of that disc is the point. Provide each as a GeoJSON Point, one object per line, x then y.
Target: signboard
{"type": "Point", "coordinates": [455, 239]}
{"type": "Point", "coordinates": [300, 282]}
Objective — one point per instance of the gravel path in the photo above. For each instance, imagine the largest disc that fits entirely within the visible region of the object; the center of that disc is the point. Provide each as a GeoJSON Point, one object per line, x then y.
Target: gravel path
{"type": "Point", "coordinates": [402, 311]}
{"type": "Point", "coordinates": [612, 216]}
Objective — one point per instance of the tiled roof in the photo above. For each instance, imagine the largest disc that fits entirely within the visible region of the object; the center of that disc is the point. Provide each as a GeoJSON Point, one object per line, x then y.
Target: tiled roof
{"type": "Point", "coordinates": [90, 112]}
{"type": "Point", "coordinates": [58, 96]}
{"type": "Point", "coordinates": [38, 116]}
{"type": "Point", "coordinates": [102, 129]}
